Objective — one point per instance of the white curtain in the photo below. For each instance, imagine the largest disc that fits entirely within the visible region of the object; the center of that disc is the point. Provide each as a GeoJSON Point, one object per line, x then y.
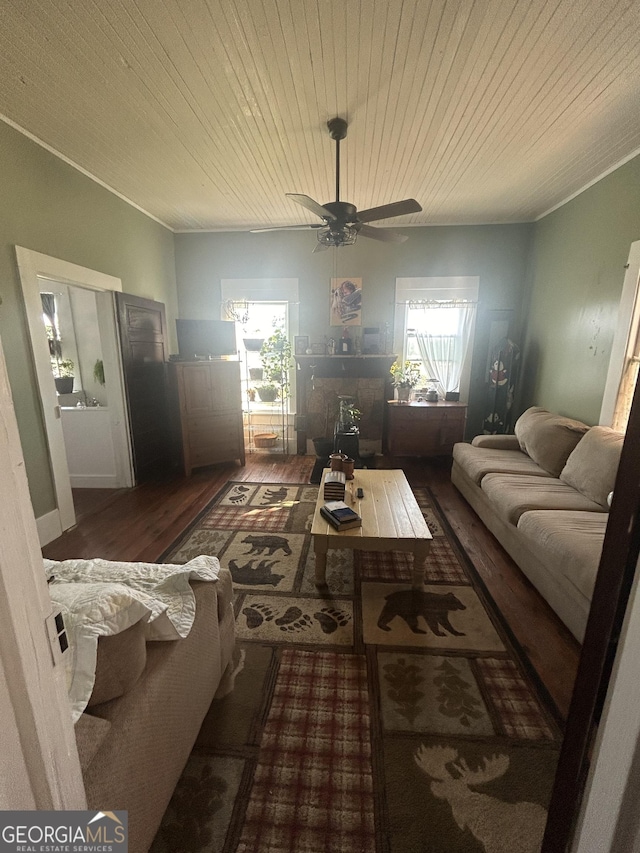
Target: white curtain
{"type": "Point", "coordinates": [443, 355]}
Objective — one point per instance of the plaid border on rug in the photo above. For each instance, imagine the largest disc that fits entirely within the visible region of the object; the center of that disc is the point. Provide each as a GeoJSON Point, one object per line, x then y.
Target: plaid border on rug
{"type": "Point", "coordinates": [315, 755]}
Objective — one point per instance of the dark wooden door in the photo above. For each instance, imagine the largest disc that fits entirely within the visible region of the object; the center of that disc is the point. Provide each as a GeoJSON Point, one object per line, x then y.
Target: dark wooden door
{"type": "Point", "coordinates": [142, 327]}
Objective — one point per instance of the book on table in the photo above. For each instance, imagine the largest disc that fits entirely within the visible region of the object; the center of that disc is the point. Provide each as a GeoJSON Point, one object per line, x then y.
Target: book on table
{"type": "Point", "coordinates": [334, 485]}
{"type": "Point", "coordinates": [340, 516]}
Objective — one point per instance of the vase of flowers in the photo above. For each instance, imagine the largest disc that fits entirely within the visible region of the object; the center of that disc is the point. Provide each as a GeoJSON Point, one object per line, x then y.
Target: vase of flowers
{"type": "Point", "coordinates": [406, 375]}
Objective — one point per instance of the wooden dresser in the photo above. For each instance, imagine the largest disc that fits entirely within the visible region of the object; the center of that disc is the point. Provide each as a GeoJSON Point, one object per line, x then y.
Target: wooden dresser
{"type": "Point", "coordinates": [208, 412]}
{"type": "Point", "coordinates": [423, 429]}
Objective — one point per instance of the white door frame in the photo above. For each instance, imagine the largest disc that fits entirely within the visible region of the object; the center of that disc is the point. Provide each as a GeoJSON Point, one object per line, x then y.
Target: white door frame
{"type": "Point", "coordinates": [39, 762]}
{"type": "Point", "coordinates": [34, 268]}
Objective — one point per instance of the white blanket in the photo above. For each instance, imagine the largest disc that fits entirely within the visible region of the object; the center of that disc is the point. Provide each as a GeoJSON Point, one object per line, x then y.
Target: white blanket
{"type": "Point", "coordinates": [103, 597]}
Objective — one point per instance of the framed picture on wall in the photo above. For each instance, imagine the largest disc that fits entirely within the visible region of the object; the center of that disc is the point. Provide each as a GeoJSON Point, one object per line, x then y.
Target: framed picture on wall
{"type": "Point", "coordinates": [346, 301]}
{"type": "Point", "coordinates": [300, 344]}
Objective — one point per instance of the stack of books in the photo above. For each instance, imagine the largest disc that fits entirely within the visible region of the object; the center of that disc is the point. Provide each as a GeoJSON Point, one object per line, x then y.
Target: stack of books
{"type": "Point", "coordinates": [334, 486]}
{"type": "Point", "coordinates": [340, 516]}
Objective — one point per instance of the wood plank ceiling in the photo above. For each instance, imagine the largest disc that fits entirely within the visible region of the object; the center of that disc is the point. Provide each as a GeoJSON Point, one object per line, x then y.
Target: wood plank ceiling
{"type": "Point", "coordinates": [204, 113]}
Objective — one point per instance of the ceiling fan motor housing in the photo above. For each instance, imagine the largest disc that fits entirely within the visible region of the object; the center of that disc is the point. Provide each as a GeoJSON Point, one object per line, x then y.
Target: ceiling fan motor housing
{"type": "Point", "coordinates": [343, 211]}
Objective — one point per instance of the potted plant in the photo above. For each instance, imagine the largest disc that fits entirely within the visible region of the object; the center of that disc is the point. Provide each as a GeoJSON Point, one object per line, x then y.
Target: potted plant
{"type": "Point", "coordinates": [253, 344]}
{"type": "Point", "coordinates": [268, 392]}
{"type": "Point", "coordinates": [406, 375]}
{"type": "Point", "coordinates": [98, 372]}
{"type": "Point", "coordinates": [348, 415]}
{"type": "Point", "coordinates": [276, 359]}
{"type": "Point", "coordinates": [63, 373]}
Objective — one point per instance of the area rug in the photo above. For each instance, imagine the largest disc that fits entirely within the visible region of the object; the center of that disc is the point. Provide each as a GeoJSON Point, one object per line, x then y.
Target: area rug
{"type": "Point", "coordinates": [366, 717]}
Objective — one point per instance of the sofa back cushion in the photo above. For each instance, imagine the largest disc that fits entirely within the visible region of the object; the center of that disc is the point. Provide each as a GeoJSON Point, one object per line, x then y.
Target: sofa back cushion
{"type": "Point", "coordinates": [547, 438]}
{"type": "Point", "coordinates": [592, 466]}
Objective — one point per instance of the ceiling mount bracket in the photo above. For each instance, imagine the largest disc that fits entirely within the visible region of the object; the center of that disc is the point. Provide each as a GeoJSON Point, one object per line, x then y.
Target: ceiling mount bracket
{"type": "Point", "coordinates": [337, 128]}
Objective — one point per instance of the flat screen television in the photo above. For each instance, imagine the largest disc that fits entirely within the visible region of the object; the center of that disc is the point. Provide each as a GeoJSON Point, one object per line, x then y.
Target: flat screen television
{"type": "Point", "coordinates": [206, 338]}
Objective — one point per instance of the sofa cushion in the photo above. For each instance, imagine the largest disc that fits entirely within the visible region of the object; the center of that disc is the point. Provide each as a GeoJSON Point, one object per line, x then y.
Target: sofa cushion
{"type": "Point", "coordinates": [592, 466]}
{"type": "Point", "coordinates": [90, 731]}
{"type": "Point", "coordinates": [570, 543]}
{"type": "Point", "coordinates": [478, 461]}
{"type": "Point", "coordinates": [514, 494]}
{"type": "Point", "coordinates": [496, 442]}
{"type": "Point", "coordinates": [120, 661]}
{"type": "Point", "coordinates": [547, 438]}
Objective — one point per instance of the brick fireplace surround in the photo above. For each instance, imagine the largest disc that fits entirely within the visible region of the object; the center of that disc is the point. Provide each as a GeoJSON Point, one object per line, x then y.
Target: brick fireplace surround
{"type": "Point", "coordinates": [321, 380]}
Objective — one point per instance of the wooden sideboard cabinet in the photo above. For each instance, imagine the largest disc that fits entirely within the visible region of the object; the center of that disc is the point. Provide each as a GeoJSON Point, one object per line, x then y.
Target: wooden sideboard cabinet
{"type": "Point", "coordinates": [208, 403]}
{"type": "Point", "coordinates": [424, 429]}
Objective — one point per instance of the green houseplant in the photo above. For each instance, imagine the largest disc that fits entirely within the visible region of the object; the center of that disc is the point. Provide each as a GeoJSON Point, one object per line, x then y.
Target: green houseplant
{"type": "Point", "coordinates": [63, 373]}
{"type": "Point", "coordinates": [268, 392]}
{"type": "Point", "coordinates": [277, 361]}
{"type": "Point", "coordinates": [98, 371]}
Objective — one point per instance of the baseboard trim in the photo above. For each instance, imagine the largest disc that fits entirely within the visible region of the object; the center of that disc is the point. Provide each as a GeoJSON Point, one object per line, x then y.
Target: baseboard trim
{"type": "Point", "coordinates": [94, 481]}
{"type": "Point", "coordinates": [49, 527]}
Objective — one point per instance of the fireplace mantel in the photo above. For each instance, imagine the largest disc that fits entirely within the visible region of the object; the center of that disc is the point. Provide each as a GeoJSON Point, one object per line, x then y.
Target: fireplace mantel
{"type": "Point", "coordinates": [320, 379]}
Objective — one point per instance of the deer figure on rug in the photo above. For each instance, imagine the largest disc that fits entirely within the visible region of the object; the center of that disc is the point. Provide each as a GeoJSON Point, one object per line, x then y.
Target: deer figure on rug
{"type": "Point", "coordinates": [500, 826]}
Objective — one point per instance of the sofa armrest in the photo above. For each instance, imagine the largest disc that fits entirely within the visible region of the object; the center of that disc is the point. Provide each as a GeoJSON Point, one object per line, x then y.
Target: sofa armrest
{"type": "Point", "coordinates": [497, 442]}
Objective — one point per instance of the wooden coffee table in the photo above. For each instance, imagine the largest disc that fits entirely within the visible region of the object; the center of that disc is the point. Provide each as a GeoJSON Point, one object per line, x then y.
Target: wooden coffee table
{"type": "Point", "coordinates": [391, 521]}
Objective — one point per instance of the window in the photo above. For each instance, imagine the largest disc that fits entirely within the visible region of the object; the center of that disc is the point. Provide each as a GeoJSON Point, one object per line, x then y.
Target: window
{"type": "Point", "coordinates": [260, 308]}
{"type": "Point", "coordinates": [255, 322]}
{"type": "Point", "coordinates": [624, 364]}
{"type": "Point", "coordinates": [435, 319]}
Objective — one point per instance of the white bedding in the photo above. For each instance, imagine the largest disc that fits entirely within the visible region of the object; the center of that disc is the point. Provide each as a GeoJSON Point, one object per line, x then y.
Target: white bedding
{"type": "Point", "coordinates": [103, 597]}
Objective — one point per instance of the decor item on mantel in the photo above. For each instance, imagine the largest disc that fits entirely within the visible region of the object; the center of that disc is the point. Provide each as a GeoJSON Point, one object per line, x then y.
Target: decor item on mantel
{"type": "Point", "coordinates": [406, 376]}
{"type": "Point", "coordinates": [346, 301]}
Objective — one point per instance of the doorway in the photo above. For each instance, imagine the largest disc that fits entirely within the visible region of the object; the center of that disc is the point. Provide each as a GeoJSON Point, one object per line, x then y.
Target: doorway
{"type": "Point", "coordinates": [42, 273]}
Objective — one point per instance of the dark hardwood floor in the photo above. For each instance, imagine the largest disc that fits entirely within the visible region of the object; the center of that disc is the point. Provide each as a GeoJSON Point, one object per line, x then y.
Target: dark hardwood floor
{"type": "Point", "coordinates": [139, 524]}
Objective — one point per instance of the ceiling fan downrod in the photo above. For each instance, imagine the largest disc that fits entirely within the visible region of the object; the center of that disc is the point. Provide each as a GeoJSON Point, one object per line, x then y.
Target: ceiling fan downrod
{"type": "Point", "coordinates": [337, 130]}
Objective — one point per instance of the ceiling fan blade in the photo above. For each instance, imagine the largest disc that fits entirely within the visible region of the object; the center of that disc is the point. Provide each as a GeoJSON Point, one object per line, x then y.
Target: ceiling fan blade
{"type": "Point", "coordinates": [383, 234]}
{"type": "Point", "coordinates": [287, 228]}
{"type": "Point", "coordinates": [396, 208]}
{"type": "Point", "coordinates": [320, 247]}
{"type": "Point", "coordinates": [311, 205]}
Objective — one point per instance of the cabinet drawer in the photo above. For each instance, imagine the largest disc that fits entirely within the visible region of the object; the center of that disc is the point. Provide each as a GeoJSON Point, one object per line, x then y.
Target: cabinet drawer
{"type": "Point", "coordinates": [215, 428]}
{"type": "Point", "coordinates": [214, 453]}
{"type": "Point", "coordinates": [207, 423]}
{"type": "Point", "coordinates": [423, 429]}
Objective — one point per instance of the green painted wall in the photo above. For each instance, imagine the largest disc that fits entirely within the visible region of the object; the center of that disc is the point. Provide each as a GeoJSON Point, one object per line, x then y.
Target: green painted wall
{"type": "Point", "coordinates": [49, 207]}
{"type": "Point", "coordinates": [561, 278]}
{"type": "Point", "coordinates": [574, 284]}
{"type": "Point", "coordinates": [497, 254]}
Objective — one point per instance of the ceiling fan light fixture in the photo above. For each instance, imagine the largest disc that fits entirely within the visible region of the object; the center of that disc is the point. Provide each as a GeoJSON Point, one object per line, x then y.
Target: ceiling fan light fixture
{"type": "Point", "coordinates": [346, 236]}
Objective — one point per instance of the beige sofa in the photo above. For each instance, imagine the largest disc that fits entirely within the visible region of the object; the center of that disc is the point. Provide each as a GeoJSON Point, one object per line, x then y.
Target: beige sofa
{"type": "Point", "coordinates": [543, 493]}
{"type": "Point", "coordinates": [147, 705]}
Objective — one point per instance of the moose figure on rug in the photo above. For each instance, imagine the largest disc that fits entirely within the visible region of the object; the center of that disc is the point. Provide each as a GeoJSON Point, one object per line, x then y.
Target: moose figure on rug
{"type": "Point", "coordinates": [500, 826]}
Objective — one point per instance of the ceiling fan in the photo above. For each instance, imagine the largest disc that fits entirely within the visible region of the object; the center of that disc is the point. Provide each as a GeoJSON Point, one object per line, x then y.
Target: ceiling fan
{"type": "Point", "coordinates": [342, 221]}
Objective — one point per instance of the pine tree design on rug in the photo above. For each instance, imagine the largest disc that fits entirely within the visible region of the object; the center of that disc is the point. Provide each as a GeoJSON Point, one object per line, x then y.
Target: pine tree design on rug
{"type": "Point", "coordinates": [403, 679]}
{"type": "Point", "coordinates": [455, 698]}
